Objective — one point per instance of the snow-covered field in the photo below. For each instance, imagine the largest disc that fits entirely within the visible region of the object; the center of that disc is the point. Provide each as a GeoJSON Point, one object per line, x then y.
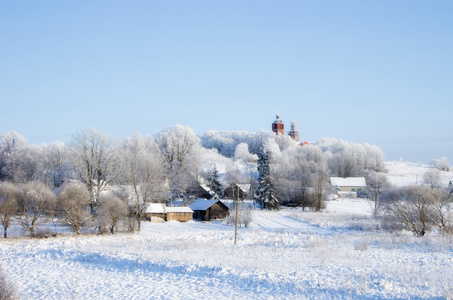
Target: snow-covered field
{"type": "Point", "coordinates": [406, 173]}
{"type": "Point", "coordinates": [282, 255]}
{"type": "Point", "coordinates": [337, 254]}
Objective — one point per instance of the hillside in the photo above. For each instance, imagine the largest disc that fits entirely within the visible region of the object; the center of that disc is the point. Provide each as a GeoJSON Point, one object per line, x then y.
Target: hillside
{"type": "Point", "coordinates": [407, 173]}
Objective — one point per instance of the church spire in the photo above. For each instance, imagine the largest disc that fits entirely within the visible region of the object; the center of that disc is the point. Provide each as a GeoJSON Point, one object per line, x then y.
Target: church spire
{"type": "Point", "coordinates": [293, 133]}
{"type": "Point", "coordinates": [278, 127]}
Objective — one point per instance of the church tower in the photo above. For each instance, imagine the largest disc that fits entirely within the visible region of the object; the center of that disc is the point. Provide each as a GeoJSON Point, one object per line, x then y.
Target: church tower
{"type": "Point", "coordinates": [293, 133]}
{"type": "Point", "coordinates": [278, 126]}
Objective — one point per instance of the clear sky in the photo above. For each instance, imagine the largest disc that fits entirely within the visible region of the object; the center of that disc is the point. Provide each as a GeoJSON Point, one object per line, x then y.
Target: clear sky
{"type": "Point", "coordinates": [378, 72]}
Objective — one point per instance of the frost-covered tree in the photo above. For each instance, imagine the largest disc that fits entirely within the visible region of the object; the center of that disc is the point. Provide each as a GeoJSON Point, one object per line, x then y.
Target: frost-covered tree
{"type": "Point", "coordinates": [180, 148]}
{"type": "Point", "coordinates": [12, 144]}
{"type": "Point", "coordinates": [57, 163]}
{"type": "Point", "coordinates": [350, 159]}
{"type": "Point", "coordinates": [320, 185]}
{"type": "Point", "coordinates": [300, 177]}
{"type": "Point", "coordinates": [242, 153]}
{"type": "Point", "coordinates": [442, 214]}
{"type": "Point", "coordinates": [233, 175]}
{"type": "Point", "coordinates": [226, 142]}
{"type": "Point", "coordinates": [244, 214]}
{"type": "Point", "coordinates": [344, 164]}
{"type": "Point", "coordinates": [9, 194]}
{"type": "Point", "coordinates": [432, 178]}
{"type": "Point", "coordinates": [215, 185]}
{"type": "Point", "coordinates": [72, 204]}
{"type": "Point", "coordinates": [177, 144]}
{"type": "Point", "coordinates": [264, 195]}
{"type": "Point", "coordinates": [377, 184]}
{"type": "Point", "coordinates": [95, 160]}
{"type": "Point", "coordinates": [36, 200]}
{"type": "Point", "coordinates": [142, 169]}
{"type": "Point", "coordinates": [7, 289]}
{"type": "Point", "coordinates": [20, 161]}
{"type": "Point", "coordinates": [441, 164]}
{"type": "Point", "coordinates": [111, 211]}
{"type": "Point", "coordinates": [410, 208]}
{"type": "Point", "coordinates": [374, 158]}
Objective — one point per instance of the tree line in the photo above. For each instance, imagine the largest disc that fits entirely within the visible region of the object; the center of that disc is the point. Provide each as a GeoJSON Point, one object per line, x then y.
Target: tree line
{"type": "Point", "coordinates": [173, 163]}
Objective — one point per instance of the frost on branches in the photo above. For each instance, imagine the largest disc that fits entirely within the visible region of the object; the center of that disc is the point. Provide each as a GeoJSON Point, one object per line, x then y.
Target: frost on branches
{"type": "Point", "coordinates": [264, 195]}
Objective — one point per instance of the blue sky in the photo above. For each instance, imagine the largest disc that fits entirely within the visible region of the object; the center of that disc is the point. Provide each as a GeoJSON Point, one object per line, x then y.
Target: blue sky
{"type": "Point", "coordinates": [377, 72]}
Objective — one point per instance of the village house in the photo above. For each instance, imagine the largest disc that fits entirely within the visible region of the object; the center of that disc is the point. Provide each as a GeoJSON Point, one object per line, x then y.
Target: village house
{"type": "Point", "coordinates": [181, 214]}
{"type": "Point", "coordinates": [231, 192]}
{"type": "Point", "coordinates": [348, 186]}
{"type": "Point", "coordinates": [206, 210]}
{"type": "Point", "coordinates": [158, 212]}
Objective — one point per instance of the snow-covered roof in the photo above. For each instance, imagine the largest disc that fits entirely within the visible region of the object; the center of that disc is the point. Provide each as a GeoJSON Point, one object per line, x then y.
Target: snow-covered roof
{"type": "Point", "coordinates": [159, 208]}
{"type": "Point", "coordinates": [206, 188]}
{"type": "Point", "coordinates": [174, 209]}
{"type": "Point", "coordinates": [348, 181]}
{"type": "Point", "coordinates": [202, 204]}
{"type": "Point", "coordinates": [244, 187]}
{"type": "Point", "coordinates": [155, 208]}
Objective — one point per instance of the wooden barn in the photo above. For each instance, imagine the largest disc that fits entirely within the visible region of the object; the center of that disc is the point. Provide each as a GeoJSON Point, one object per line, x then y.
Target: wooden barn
{"type": "Point", "coordinates": [181, 214]}
{"type": "Point", "coordinates": [158, 212]}
{"type": "Point", "coordinates": [206, 210]}
{"type": "Point", "coordinates": [155, 212]}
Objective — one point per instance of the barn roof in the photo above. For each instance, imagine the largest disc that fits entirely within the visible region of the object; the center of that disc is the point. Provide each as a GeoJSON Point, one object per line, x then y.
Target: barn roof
{"type": "Point", "coordinates": [244, 187]}
{"type": "Point", "coordinates": [159, 208]}
{"type": "Point", "coordinates": [202, 204]}
{"type": "Point", "coordinates": [174, 209]}
{"type": "Point", "coordinates": [348, 181]}
{"type": "Point", "coordinates": [155, 208]}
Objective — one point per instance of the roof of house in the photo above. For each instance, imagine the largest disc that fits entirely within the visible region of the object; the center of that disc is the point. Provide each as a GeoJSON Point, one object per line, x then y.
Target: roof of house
{"type": "Point", "coordinates": [245, 187]}
{"type": "Point", "coordinates": [176, 209]}
{"type": "Point", "coordinates": [348, 181]}
{"type": "Point", "coordinates": [160, 208]}
{"type": "Point", "coordinates": [202, 204]}
{"type": "Point", "coordinates": [155, 208]}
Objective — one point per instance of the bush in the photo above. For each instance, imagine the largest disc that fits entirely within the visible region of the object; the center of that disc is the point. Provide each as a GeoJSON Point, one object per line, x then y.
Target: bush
{"type": "Point", "coordinates": [441, 164]}
{"type": "Point", "coordinates": [7, 289]}
{"type": "Point", "coordinates": [244, 215]}
{"type": "Point", "coordinates": [72, 203]}
{"type": "Point", "coordinates": [111, 212]}
{"type": "Point", "coordinates": [416, 209]}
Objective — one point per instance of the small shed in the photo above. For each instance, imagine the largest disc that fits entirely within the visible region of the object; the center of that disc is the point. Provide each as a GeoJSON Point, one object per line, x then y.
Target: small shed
{"type": "Point", "coordinates": [155, 212]}
{"type": "Point", "coordinates": [206, 210]}
{"type": "Point", "coordinates": [181, 214]}
{"type": "Point", "coordinates": [348, 184]}
{"type": "Point", "coordinates": [158, 212]}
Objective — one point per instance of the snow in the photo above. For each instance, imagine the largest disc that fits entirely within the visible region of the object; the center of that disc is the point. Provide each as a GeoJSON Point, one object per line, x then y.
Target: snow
{"type": "Point", "coordinates": [406, 173]}
{"type": "Point", "coordinates": [175, 209]}
{"type": "Point", "coordinates": [202, 204]}
{"type": "Point", "coordinates": [348, 181]}
{"type": "Point", "coordinates": [159, 208]}
{"type": "Point", "coordinates": [289, 254]}
{"type": "Point", "coordinates": [155, 208]}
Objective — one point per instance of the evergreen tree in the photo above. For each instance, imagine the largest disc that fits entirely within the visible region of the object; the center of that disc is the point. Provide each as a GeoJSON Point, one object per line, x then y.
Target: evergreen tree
{"type": "Point", "coordinates": [214, 184]}
{"type": "Point", "coordinates": [264, 195]}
